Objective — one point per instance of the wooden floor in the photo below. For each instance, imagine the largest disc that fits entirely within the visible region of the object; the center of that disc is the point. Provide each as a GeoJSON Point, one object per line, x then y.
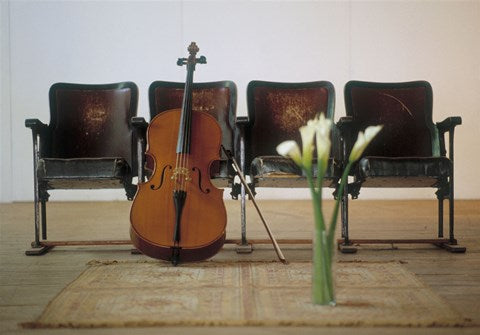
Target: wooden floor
{"type": "Point", "coordinates": [27, 284]}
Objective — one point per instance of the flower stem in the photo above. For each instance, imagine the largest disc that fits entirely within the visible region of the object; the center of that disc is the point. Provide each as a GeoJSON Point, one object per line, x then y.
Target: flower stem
{"type": "Point", "coordinates": [322, 286]}
{"type": "Point", "coordinates": [322, 279]}
{"type": "Point", "coordinates": [331, 230]}
{"type": "Point", "coordinates": [317, 203]}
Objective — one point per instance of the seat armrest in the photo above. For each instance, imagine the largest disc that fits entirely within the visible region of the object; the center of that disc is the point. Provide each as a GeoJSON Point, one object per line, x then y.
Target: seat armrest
{"type": "Point", "coordinates": [241, 132]}
{"type": "Point", "coordinates": [345, 124]}
{"type": "Point", "coordinates": [242, 124]}
{"type": "Point", "coordinates": [40, 136]}
{"type": "Point", "coordinates": [139, 123]}
{"type": "Point", "coordinates": [242, 121]}
{"type": "Point", "coordinates": [138, 154]}
{"type": "Point", "coordinates": [36, 125]}
{"type": "Point", "coordinates": [336, 149]}
{"type": "Point", "coordinates": [347, 133]}
{"type": "Point", "coordinates": [449, 124]}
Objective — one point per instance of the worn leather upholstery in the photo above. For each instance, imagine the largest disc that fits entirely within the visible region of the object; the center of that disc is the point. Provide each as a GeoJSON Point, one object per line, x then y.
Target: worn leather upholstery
{"type": "Point", "coordinates": [276, 111]}
{"type": "Point", "coordinates": [91, 122]}
{"type": "Point", "coordinates": [279, 171]}
{"type": "Point", "coordinates": [86, 173]}
{"type": "Point", "coordinates": [404, 112]}
{"type": "Point", "coordinates": [218, 99]}
{"type": "Point", "coordinates": [403, 171]}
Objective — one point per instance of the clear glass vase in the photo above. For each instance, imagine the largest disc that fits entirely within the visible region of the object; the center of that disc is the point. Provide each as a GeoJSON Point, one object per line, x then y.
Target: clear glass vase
{"type": "Point", "coordinates": [323, 286]}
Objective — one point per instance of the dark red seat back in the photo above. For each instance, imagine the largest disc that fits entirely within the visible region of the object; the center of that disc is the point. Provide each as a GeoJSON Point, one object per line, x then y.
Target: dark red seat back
{"type": "Point", "coordinates": [92, 121]}
{"type": "Point", "coordinates": [277, 110]}
{"type": "Point", "coordinates": [404, 110]}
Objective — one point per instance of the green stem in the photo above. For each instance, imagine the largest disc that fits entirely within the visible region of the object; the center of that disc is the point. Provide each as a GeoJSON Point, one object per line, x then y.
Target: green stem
{"type": "Point", "coordinates": [331, 230]}
{"type": "Point", "coordinates": [320, 175]}
{"type": "Point", "coordinates": [322, 279]}
{"type": "Point", "coordinates": [317, 203]}
{"type": "Point", "coordinates": [320, 172]}
{"type": "Point", "coordinates": [322, 286]}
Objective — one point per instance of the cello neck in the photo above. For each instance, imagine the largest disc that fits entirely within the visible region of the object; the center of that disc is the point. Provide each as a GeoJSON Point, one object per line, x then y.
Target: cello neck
{"type": "Point", "coordinates": [183, 142]}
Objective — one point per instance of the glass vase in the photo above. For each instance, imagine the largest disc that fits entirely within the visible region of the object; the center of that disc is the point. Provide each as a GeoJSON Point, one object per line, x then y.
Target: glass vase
{"type": "Point", "coordinates": [323, 290]}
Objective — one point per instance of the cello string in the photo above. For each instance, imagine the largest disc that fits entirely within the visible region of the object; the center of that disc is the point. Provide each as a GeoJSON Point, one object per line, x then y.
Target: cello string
{"type": "Point", "coordinates": [189, 125]}
{"type": "Point", "coordinates": [175, 176]}
{"type": "Point", "coordinates": [187, 136]}
{"type": "Point", "coordinates": [175, 171]}
{"type": "Point", "coordinates": [181, 175]}
{"type": "Point", "coordinates": [180, 155]}
{"type": "Point", "coordinates": [187, 129]}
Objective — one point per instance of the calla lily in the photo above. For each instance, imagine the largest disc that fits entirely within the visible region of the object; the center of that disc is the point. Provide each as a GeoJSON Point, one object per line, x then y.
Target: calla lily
{"type": "Point", "coordinates": [323, 127]}
{"type": "Point", "coordinates": [307, 133]}
{"type": "Point", "coordinates": [363, 140]}
{"type": "Point", "coordinates": [290, 149]}
{"type": "Point", "coordinates": [323, 292]}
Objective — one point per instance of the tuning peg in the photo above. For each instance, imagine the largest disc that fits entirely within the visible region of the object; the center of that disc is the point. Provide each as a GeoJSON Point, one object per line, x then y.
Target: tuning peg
{"type": "Point", "coordinates": [202, 60]}
{"type": "Point", "coordinates": [181, 61]}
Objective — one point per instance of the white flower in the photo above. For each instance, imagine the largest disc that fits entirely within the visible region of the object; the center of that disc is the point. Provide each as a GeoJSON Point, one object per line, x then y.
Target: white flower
{"type": "Point", "coordinates": [362, 141]}
{"type": "Point", "coordinates": [323, 127]}
{"type": "Point", "coordinates": [307, 133]}
{"type": "Point", "coordinates": [290, 149]}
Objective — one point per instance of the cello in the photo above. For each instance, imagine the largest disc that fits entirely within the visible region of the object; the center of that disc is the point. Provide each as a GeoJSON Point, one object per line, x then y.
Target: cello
{"type": "Point", "coordinates": [178, 215]}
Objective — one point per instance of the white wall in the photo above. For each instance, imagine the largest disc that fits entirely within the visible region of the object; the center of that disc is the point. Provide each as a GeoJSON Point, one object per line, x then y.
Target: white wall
{"type": "Point", "coordinates": [107, 41]}
{"type": "Point", "coordinates": [5, 111]}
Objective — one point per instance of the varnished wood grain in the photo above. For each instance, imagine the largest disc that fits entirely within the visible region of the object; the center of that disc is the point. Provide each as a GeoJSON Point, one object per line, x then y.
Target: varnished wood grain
{"type": "Point", "coordinates": [153, 211]}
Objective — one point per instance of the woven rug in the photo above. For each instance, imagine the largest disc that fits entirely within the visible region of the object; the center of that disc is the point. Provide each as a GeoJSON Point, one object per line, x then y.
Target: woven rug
{"type": "Point", "coordinates": [134, 294]}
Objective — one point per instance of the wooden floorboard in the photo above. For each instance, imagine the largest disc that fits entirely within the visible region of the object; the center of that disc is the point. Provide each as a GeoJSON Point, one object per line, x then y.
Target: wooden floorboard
{"type": "Point", "coordinates": [27, 284]}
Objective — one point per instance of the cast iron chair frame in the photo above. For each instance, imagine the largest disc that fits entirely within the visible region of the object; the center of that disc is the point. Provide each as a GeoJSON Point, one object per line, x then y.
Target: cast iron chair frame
{"type": "Point", "coordinates": [40, 134]}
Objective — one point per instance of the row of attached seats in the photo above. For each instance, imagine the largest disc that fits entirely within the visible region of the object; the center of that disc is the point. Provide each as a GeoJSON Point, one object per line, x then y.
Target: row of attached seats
{"type": "Point", "coordinates": [95, 140]}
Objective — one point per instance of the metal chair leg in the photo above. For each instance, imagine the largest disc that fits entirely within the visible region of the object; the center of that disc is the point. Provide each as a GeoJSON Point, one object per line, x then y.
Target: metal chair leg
{"type": "Point", "coordinates": [44, 219]}
{"type": "Point", "coordinates": [36, 191]}
{"type": "Point", "coordinates": [36, 204]}
{"type": "Point", "coordinates": [451, 211]}
{"type": "Point", "coordinates": [344, 217]}
{"type": "Point", "coordinates": [345, 246]}
{"type": "Point", "coordinates": [440, 216]}
{"type": "Point", "coordinates": [37, 247]}
{"type": "Point", "coordinates": [243, 215]}
{"type": "Point", "coordinates": [244, 247]}
{"type": "Point", "coordinates": [451, 246]}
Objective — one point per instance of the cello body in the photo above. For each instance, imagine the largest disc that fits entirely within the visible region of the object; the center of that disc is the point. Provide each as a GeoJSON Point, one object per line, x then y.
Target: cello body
{"type": "Point", "coordinates": [178, 215]}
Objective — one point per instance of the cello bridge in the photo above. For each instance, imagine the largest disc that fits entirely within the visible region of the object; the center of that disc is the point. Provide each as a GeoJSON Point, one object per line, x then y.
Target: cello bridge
{"type": "Point", "coordinates": [179, 172]}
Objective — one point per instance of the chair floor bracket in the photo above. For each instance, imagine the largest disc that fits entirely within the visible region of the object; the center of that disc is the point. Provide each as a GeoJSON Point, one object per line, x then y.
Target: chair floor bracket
{"type": "Point", "coordinates": [244, 248]}
{"type": "Point", "coordinates": [38, 251]}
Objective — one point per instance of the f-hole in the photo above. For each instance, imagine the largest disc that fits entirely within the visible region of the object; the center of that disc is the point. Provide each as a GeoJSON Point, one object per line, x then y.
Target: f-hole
{"type": "Point", "coordinates": [207, 190]}
{"type": "Point", "coordinates": [162, 178]}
